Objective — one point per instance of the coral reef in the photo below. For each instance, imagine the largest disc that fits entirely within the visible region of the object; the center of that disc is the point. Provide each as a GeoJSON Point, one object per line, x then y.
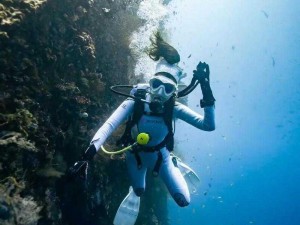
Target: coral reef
{"type": "Point", "coordinates": [57, 60]}
{"type": "Point", "coordinates": [17, 209]}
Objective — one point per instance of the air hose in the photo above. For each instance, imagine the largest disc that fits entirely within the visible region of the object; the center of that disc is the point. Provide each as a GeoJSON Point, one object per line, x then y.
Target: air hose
{"type": "Point", "coordinates": [119, 151]}
{"type": "Point", "coordinates": [114, 87]}
{"type": "Point", "coordinates": [194, 83]}
{"type": "Point", "coordinates": [142, 139]}
{"type": "Point", "coordinates": [189, 88]}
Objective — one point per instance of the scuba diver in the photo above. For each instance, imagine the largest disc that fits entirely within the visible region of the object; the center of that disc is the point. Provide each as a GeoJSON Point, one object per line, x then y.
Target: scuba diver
{"type": "Point", "coordinates": [150, 109]}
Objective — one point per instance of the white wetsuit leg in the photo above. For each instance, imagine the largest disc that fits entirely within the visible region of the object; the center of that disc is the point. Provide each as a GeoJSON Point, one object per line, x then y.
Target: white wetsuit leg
{"type": "Point", "coordinates": [169, 173]}
{"type": "Point", "coordinates": [174, 180]}
{"type": "Point", "coordinates": [137, 176]}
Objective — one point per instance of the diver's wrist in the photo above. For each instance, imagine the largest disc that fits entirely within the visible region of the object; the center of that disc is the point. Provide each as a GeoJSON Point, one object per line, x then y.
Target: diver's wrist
{"type": "Point", "coordinates": [89, 153]}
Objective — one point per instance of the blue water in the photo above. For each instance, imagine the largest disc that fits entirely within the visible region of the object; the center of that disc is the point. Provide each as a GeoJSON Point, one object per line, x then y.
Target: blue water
{"type": "Point", "coordinates": [249, 166]}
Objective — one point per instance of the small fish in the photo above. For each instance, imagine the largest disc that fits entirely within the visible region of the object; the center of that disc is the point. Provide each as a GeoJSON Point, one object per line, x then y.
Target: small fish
{"type": "Point", "coordinates": [266, 14]}
{"type": "Point", "coordinates": [273, 62]}
{"type": "Point", "coordinates": [190, 56]}
{"type": "Point", "coordinates": [84, 115]}
{"type": "Point", "coordinates": [106, 10]}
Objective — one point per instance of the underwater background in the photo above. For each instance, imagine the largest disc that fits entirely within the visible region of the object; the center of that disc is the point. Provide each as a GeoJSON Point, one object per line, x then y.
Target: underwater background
{"type": "Point", "coordinates": [58, 59]}
{"type": "Point", "coordinates": [249, 166]}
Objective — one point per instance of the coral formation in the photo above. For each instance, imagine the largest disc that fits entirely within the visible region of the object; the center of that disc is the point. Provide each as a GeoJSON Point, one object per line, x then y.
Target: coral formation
{"type": "Point", "coordinates": [57, 60]}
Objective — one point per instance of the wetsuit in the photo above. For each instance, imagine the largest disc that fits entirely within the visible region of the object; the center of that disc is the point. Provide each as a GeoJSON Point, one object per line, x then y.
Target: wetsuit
{"type": "Point", "coordinates": [157, 130]}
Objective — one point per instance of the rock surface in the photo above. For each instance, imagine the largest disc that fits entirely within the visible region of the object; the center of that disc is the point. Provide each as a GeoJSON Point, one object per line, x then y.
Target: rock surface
{"type": "Point", "coordinates": [57, 60]}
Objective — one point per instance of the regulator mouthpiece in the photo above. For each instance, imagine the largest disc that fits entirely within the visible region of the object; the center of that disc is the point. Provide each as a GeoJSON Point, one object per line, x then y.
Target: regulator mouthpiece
{"type": "Point", "coordinates": [143, 138]}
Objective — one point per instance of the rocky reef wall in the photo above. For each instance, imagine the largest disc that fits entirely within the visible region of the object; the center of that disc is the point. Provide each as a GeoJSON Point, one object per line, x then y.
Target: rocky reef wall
{"type": "Point", "coordinates": [57, 61]}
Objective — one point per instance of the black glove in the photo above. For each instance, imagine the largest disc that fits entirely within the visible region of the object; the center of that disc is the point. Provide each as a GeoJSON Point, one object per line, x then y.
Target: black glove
{"type": "Point", "coordinates": [202, 75]}
{"type": "Point", "coordinates": [89, 153]}
{"type": "Point", "coordinates": [79, 169]}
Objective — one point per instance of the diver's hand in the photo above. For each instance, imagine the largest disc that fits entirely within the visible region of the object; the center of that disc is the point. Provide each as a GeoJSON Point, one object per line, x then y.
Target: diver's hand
{"type": "Point", "coordinates": [202, 75]}
{"type": "Point", "coordinates": [78, 170]}
{"type": "Point", "coordinates": [202, 72]}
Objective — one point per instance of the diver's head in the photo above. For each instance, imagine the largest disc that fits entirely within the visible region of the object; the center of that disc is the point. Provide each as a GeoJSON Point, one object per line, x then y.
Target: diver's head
{"type": "Point", "coordinates": [164, 84]}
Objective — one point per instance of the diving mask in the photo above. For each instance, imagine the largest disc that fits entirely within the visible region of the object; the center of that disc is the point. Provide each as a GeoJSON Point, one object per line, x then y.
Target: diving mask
{"type": "Point", "coordinates": [162, 86]}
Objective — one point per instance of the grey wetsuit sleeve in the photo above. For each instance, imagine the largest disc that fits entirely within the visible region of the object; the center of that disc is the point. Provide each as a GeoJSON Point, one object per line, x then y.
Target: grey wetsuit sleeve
{"type": "Point", "coordinates": [206, 122]}
{"type": "Point", "coordinates": [115, 120]}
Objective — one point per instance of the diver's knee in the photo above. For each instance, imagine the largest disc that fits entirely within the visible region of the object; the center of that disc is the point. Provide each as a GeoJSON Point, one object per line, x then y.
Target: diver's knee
{"type": "Point", "coordinates": [139, 191]}
{"type": "Point", "coordinates": [181, 200]}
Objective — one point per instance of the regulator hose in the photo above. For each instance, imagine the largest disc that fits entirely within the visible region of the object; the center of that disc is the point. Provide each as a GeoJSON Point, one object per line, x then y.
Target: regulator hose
{"type": "Point", "coordinates": [119, 151]}
{"type": "Point", "coordinates": [141, 139]}
{"type": "Point", "coordinates": [184, 92]}
{"type": "Point", "coordinates": [114, 87]}
{"type": "Point", "coordinates": [189, 89]}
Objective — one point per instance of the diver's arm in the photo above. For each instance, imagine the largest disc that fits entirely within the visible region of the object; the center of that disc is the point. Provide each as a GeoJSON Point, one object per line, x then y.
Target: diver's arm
{"type": "Point", "coordinates": [115, 120]}
{"type": "Point", "coordinates": [79, 169]}
{"type": "Point", "coordinates": [206, 122]}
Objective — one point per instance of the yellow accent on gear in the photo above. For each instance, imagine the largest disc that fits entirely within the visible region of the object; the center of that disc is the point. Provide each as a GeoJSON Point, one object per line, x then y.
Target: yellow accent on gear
{"type": "Point", "coordinates": [143, 138]}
